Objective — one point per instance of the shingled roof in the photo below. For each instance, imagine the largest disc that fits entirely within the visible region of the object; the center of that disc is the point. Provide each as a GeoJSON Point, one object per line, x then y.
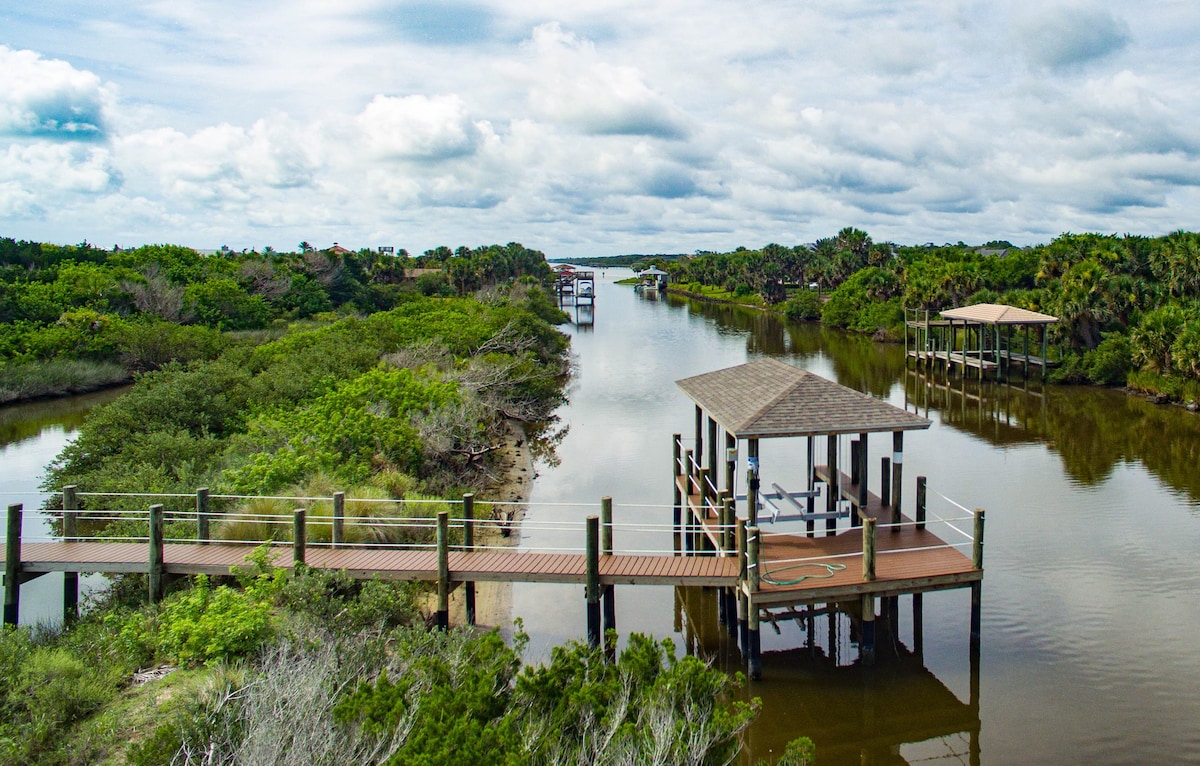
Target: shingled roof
{"type": "Point", "coordinates": [768, 398]}
{"type": "Point", "coordinates": [997, 313]}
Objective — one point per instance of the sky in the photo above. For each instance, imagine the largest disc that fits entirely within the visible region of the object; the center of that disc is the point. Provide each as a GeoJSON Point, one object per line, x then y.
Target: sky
{"type": "Point", "coordinates": [595, 127]}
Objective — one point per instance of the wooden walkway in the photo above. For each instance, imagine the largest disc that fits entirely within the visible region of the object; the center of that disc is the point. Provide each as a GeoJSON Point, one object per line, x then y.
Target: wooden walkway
{"type": "Point", "coordinates": [216, 558]}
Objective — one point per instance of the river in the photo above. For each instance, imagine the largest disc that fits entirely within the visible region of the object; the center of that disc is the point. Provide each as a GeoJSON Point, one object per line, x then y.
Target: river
{"type": "Point", "coordinates": [1089, 631]}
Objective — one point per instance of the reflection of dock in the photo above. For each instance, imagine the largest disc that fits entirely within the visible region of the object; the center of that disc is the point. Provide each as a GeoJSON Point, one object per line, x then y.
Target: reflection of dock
{"type": "Point", "coordinates": [871, 551]}
{"type": "Point", "coordinates": [1000, 413]}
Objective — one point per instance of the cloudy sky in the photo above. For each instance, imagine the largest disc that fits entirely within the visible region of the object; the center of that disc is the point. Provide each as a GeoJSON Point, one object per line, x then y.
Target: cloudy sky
{"type": "Point", "coordinates": [595, 127]}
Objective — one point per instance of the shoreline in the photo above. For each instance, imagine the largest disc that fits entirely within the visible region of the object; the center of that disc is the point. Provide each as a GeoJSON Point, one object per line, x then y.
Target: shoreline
{"type": "Point", "coordinates": [493, 600]}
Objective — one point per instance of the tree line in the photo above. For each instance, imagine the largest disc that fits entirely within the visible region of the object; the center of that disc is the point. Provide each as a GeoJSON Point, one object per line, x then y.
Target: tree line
{"type": "Point", "coordinates": [1128, 305]}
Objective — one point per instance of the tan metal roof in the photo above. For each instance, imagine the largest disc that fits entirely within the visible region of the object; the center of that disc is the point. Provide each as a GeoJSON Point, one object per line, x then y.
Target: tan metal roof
{"type": "Point", "coordinates": [768, 398]}
{"type": "Point", "coordinates": [997, 313]}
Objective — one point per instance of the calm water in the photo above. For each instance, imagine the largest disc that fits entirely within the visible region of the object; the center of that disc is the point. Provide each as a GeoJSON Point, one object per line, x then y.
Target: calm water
{"type": "Point", "coordinates": [1090, 631]}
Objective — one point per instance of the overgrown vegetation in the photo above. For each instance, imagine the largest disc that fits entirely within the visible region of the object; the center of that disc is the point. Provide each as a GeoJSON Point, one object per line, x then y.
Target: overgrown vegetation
{"type": "Point", "coordinates": [313, 668]}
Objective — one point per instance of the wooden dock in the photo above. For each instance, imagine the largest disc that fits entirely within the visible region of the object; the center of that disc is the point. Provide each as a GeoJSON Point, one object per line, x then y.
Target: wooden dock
{"type": "Point", "coordinates": [383, 563]}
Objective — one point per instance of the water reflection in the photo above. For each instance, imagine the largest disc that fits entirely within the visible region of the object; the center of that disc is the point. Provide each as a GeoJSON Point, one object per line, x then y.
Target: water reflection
{"type": "Point", "coordinates": [1091, 430]}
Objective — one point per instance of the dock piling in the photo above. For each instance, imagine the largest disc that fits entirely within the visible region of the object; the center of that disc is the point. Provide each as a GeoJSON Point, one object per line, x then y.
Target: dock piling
{"type": "Point", "coordinates": [754, 653]}
{"type": "Point", "coordinates": [337, 535]}
{"type": "Point", "coordinates": [156, 554]}
{"type": "Point", "coordinates": [12, 566]}
{"type": "Point", "coordinates": [299, 536]}
{"type": "Point", "coordinates": [443, 566]}
{"type": "Point", "coordinates": [202, 517]}
{"type": "Point", "coordinates": [70, 531]}
{"type": "Point", "coordinates": [592, 587]}
{"type": "Point", "coordinates": [468, 513]}
{"type": "Point", "coordinates": [868, 542]}
{"type": "Point", "coordinates": [921, 502]}
{"type": "Point", "coordinates": [609, 592]}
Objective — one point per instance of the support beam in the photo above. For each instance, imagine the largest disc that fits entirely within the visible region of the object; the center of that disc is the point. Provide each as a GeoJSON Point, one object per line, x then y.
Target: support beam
{"type": "Point", "coordinates": [468, 506]}
{"type": "Point", "coordinates": [70, 531]}
{"type": "Point", "coordinates": [12, 566]}
{"type": "Point", "coordinates": [592, 586]}
{"type": "Point", "coordinates": [443, 565]}
{"type": "Point", "coordinates": [156, 554]}
{"type": "Point", "coordinates": [897, 474]}
{"type": "Point", "coordinates": [609, 592]}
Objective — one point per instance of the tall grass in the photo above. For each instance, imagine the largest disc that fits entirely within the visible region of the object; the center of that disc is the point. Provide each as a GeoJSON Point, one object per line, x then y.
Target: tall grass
{"type": "Point", "coordinates": [57, 377]}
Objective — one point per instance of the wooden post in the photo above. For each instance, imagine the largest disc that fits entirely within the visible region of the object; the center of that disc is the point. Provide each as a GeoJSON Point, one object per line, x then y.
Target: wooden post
{"type": "Point", "coordinates": [12, 566]}
{"type": "Point", "coordinates": [833, 490]}
{"type": "Point", "coordinates": [337, 535]}
{"type": "Point", "coordinates": [754, 655]}
{"type": "Point", "coordinates": [156, 554]}
{"type": "Point", "coordinates": [897, 473]}
{"type": "Point", "coordinates": [443, 565]}
{"type": "Point", "coordinates": [699, 434]}
{"type": "Point", "coordinates": [676, 472]}
{"type": "Point", "coordinates": [918, 625]}
{"type": "Point", "coordinates": [867, 639]}
{"type": "Point", "coordinates": [854, 462]}
{"type": "Point", "coordinates": [469, 545]}
{"type": "Point", "coordinates": [885, 482]}
{"type": "Point", "coordinates": [868, 538]}
{"type": "Point", "coordinates": [608, 593]}
{"type": "Point", "coordinates": [203, 535]}
{"type": "Point", "coordinates": [592, 588]}
{"type": "Point", "coordinates": [920, 502]}
{"type": "Point", "coordinates": [299, 536]}
{"type": "Point", "coordinates": [70, 531]}
{"type": "Point", "coordinates": [712, 449]}
{"type": "Point", "coordinates": [862, 470]}
{"type": "Point", "coordinates": [752, 481]}
{"type": "Point", "coordinates": [730, 461]}
{"type": "Point", "coordinates": [727, 520]}
{"type": "Point", "coordinates": [743, 627]}
{"type": "Point", "coordinates": [977, 547]}
{"type": "Point", "coordinates": [685, 529]}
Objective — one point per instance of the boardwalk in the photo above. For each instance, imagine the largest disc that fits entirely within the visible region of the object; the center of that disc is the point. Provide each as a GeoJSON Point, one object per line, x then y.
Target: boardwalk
{"type": "Point", "coordinates": [384, 563]}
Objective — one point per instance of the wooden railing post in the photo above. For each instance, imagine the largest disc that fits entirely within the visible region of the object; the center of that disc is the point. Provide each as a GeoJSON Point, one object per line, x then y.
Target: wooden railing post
{"type": "Point", "coordinates": [977, 547]}
{"type": "Point", "coordinates": [156, 554]}
{"type": "Point", "coordinates": [468, 514]}
{"type": "Point", "coordinates": [202, 518]}
{"type": "Point", "coordinates": [608, 592]}
{"type": "Point", "coordinates": [920, 502]}
{"type": "Point", "coordinates": [299, 536]}
{"type": "Point", "coordinates": [592, 586]}
{"type": "Point", "coordinates": [868, 547]}
{"type": "Point", "coordinates": [727, 542]}
{"type": "Point", "coordinates": [754, 655]}
{"type": "Point", "coordinates": [743, 627]}
{"type": "Point", "coordinates": [676, 472]}
{"type": "Point", "coordinates": [885, 483]}
{"type": "Point", "coordinates": [337, 535]}
{"type": "Point", "coordinates": [443, 569]}
{"type": "Point", "coordinates": [12, 566]}
{"type": "Point", "coordinates": [70, 531]}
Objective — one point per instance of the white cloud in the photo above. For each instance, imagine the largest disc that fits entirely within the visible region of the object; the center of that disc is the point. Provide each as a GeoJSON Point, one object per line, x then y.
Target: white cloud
{"type": "Point", "coordinates": [48, 98]}
{"type": "Point", "coordinates": [419, 127]}
{"type": "Point", "coordinates": [573, 86]}
{"type": "Point", "coordinates": [1063, 36]}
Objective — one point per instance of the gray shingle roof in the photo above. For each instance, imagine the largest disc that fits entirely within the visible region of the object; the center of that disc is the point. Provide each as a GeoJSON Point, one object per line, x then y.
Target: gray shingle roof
{"type": "Point", "coordinates": [769, 398]}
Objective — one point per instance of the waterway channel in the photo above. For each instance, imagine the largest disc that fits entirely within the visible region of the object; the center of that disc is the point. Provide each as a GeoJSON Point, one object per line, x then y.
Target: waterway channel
{"type": "Point", "coordinates": [1089, 632]}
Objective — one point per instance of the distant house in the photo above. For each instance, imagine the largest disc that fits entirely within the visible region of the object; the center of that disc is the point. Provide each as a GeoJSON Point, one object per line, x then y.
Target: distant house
{"type": "Point", "coordinates": [338, 250]}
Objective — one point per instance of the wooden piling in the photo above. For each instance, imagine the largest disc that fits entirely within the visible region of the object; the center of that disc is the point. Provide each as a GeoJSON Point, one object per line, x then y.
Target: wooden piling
{"type": "Point", "coordinates": [868, 537]}
{"type": "Point", "coordinates": [754, 653]}
{"type": "Point", "coordinates": [70, 531]}
{"type": "Point", "coordinates": [608, 593]}
{"type": "Point", "coordinates": [468, 514]}
{"type": "Point", "coordinates": [676, 472]}
{"type": "Point", "coordinates": [592, 586]}
{"type": "Point", "coordinates": [743, 626]}
{"type": "Point", "coordinates": [862, 470]}
{"type": "Point", "coordinates": [203, 535]}
{"type": "Point", "coordinates": [337, 534]}
{"type": "Point", "coordinates": [730, 460]}
{"type": "Point", "coordinates": [977, 546]}
{"type": "Point", "coordinates": [299, 536]}
{"type": "Point", "coordinates": [897, 472]}
{"type": "Point", "coordinates": [156, 554]}
{"type": "Point", "coordinates": [921, 502]}
{"type": "Point", "coordinates": [12, 566]}
{"type": "Point", "coordinates": [885, 483]}
{"type": "Point", "coordinates": [443, 565]}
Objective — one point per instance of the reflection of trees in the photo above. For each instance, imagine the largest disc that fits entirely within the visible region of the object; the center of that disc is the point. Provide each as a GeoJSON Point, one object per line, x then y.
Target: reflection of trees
{"type": "Point", "coordinates": [1091, 429]}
